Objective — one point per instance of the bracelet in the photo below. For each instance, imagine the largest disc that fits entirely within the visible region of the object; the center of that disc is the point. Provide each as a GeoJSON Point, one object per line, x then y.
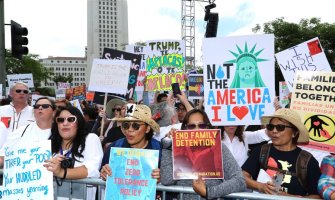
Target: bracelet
{"type": "Point", "coordinates": [65, 173]}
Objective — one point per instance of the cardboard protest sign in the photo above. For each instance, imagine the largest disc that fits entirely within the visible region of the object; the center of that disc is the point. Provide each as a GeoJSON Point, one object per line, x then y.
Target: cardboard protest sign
{"type": "Point", "coordinates": [239, 79]}
{"type": "Point", "coordinates": [283, 94]}
{"type": "Point", "coordinates": [307, 56]}
{"type": "Point", "coordinates": [313, 98]}
{"type": "Point", "coordinates": [165, 64]}
{"type": "Point", "coordinates": [140, 50]}
{"type": "Point", "coordinates": [25, 78]}
{"type": "Point", "coordinates": [195, 86]}
{"type": "Point", "coordinates": [109, 76]}
{"type": "Point", "coordinates": [197, 152]}
{"type": "Point", "coordinates": [134, 69]}
{"type": "Point", "coordinates": [131, 174]}
{"type": "Point", "coordinates": [25, 177]}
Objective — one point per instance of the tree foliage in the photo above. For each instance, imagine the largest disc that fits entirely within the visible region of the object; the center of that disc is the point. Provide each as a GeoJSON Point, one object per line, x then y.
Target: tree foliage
{"type": "Point", "coordinates": [288, 34]}
{"type": "Point", "coordinates": [29, 64]}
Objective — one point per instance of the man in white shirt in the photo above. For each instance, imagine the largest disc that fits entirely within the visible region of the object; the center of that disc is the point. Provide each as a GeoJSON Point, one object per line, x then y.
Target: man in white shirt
{"type": "Point", "coordinates": [18, 113]}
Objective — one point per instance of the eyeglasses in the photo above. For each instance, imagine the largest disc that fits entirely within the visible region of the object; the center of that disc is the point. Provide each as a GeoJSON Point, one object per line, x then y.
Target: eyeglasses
{"type": "Point", "coordinates": [194, 126]}
{"type": "Point", "coordinates": [116, 109]}
{"type": "Point", "coordinates": [71, 119]}
{"type": "Point", "coordinates": [20, 91]}
{"type": "Point", "coordinates": [44, 106]}
{"type": "Point", "coordinates": [279, 127]}
{"type": "Point", "coordinates": [134, 125]}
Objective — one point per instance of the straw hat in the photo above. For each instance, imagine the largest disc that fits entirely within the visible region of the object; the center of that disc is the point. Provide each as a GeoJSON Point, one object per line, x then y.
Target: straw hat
{"type": "Point", "coordinates": [294, 118]}
{"type": "Point", "coordinates": [139, 113]}
{"type": "Point", "coordinates": [111, 104]}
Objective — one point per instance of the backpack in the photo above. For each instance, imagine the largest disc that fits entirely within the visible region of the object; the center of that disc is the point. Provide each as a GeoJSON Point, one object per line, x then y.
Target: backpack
{"type": "Point", "coordinates": [300, 166]}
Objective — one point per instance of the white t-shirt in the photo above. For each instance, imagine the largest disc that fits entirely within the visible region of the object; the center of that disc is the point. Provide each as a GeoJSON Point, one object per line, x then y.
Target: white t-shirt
{"type": "Point", "coordinates": [240, 149]}
{"type": "Point", "coordinates": [3, 134]}
{"type": "Point", "coordinates": [165, 130]}
{"type": "Point", "coordinates": [17, 120]}
{"type": "Point", "coordinates": [32, 133]}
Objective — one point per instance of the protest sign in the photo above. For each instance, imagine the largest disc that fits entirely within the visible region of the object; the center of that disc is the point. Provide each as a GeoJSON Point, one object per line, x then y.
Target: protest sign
{"type": "Point", "coordinates": [195, 86]}
{"type": "Point", "coordinates": [165, 64]}
{"type": "Point", "coordinates": [197, 152]}
{"type": "Point", "coordinates": [131, 174]}
{"type": "Point", "coordinates": [134, 69]}
{"type": "Point", "coordinates": [283, 94]}
{"type": "Point", "coordinates": [109, 76]}
{"type": "Point", "coordinates": [25, 177]}
{"type": "Point", "coordinates": [307, 56]}
{"type": "Point", "coordinates": [62, 85]}
{"type": "Point", "coordinates": [60, 93]}
{"type": "Point", "coordinates": [79, 92]}
{"type": "Point", "coordinates": [239, 79]}
{"type": "Point", "coordinates": [25, 78]}
{"type": "Point", "coordinates": [140, 50]}
{"type": "Point", "coordinates": [313, 98]}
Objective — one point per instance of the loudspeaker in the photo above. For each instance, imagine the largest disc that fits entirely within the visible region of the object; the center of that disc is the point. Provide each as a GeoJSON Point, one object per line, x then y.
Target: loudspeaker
{"type": "Point", "coordinates": [212, 25]}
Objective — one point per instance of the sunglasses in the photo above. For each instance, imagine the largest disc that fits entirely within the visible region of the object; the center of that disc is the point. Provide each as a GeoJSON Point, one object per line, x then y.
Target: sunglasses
{"type": "Point", "coordinates": [44, 106]}
{"type": "Point", "coordinates": [116, 109]}
{"type": "Point", "coordinates": [194, 126]}
{"type": "Point", "coordinates": [136, 126]}
{"type": "Point", "coordinates": [71, 119]}
{"type": "Point", "coordinates": [20, 91]}
{"type": "Point", "coordinates": [279, 127]}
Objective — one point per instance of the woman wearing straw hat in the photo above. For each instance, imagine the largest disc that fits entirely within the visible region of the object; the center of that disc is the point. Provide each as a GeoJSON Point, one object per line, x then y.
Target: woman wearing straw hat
{"type": "Point", "coordinates": [281, 160]}
{"type": "Point", "coordinates": [138, 128]}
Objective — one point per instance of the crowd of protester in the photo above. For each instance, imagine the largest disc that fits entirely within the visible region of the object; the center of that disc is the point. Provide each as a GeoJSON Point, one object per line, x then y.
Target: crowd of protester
{"type": "Point", "coordinates": [86, 138]}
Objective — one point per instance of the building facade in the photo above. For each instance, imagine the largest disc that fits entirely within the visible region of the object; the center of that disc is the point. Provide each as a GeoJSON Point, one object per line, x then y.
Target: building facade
{"type": "Point", "coordinates": [65, 66]}
{"type": "Point", "coordinates": [107, 26]}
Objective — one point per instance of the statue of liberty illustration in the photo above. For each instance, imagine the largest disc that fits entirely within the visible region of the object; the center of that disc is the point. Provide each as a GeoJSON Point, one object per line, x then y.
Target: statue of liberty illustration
{"type": "Point", "coordinates": [247, 74]}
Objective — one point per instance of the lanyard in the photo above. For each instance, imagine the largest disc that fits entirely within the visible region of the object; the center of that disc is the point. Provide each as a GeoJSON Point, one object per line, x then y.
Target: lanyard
{"type": "Point", "coordinates": [67, 153]}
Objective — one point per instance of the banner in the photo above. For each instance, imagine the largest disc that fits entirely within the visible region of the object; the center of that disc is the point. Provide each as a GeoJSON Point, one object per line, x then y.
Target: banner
{"type": "Point", "coordinates": [134, 68]}
{"type": "Point", "coordinates": [239, 79]}
{"type": "Point", "coordinates": [131, 174]}
{"type": "Point", "coordinates": [195, 86]}
{"type": "Point", "coordinates": [313, 98]}
{"type": "Point", "coordinates": [109, 76]}
{"type": "Point", "coordinates": [25, 78]}
{"type": "Point", "coordinates": [307, 56]}
{"type": "Point", "coordinates": [197, 152]}
{"type": "Point", "coordinates": [165, 64]}
{"type": "Point", "coordinates": [24, 176]}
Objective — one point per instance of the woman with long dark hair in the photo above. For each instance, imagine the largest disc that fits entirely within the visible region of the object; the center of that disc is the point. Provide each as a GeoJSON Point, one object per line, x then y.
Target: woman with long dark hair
{"type": "Point", "coordinates": [77, 153]}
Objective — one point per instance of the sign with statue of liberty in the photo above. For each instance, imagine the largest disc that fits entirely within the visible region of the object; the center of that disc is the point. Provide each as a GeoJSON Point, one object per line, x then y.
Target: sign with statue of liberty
{"type": "Point", "coordinates": [239, 78]}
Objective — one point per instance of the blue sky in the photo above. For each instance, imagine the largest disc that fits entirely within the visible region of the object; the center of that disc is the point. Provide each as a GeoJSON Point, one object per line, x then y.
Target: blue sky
{"type": "Point", "coordinates": [59, 30]}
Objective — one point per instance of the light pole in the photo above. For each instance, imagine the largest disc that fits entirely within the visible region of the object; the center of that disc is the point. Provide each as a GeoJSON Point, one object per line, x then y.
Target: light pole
{"type": "Point", "coordinates": [2, 48]}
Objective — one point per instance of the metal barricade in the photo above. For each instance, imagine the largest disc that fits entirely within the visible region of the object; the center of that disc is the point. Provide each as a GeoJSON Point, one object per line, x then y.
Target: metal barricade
{"type": "Point", "coordinates": [83, 184]}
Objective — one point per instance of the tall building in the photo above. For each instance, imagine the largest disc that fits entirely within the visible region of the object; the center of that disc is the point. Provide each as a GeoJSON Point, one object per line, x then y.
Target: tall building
{"type": "Point", "coordinates": [66, 66]}
{"type": "Point", "coordinates": [107, 26]}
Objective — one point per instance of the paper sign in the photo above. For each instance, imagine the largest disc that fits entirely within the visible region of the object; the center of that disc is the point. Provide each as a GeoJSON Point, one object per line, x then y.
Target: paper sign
{"type": "Point", "coordinates": [25, 78]}
{"type": "Point", "coordinates": [131, 174]}
{"type": "Point", "coordinates": [25, 177]}
{"type": "Point", "coordinates": [307, 56]}
{"type": "Point", "coordinates": [110, 76]}
{"type": "Point", "coordinates": [313, 98]}
{"type": "Point", "coordinates": [195, 86]}
{"type": "Point", "coordinates": [239, 79]}
{"type": "Point", "coordinates": [197, 152]}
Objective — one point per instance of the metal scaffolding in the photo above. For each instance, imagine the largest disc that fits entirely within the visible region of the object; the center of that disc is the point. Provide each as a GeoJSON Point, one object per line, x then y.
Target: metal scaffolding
{"type": "Point", "coordinates": [188, 29]}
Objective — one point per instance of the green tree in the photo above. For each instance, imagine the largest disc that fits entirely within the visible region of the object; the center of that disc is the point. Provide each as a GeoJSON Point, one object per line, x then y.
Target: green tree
{"type": "Point", "coordinates": [288, 34]}
{"type": "Point", "coordinates": [29, 64]}
{"type": "Point", "coordinates": [62, 79]}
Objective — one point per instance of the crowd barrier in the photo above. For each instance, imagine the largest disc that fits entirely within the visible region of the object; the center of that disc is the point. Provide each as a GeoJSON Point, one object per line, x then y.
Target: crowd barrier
{"type": "Point", "coordinates": [77, 189]}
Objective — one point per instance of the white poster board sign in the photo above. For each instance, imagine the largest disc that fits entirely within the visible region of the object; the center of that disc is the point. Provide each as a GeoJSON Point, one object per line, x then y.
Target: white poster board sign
{"type": "Point", "coordinates": [307, 56]}
{"type": "Point", "coordinates": [25, 177]}
{"type": "Point", "coordinates": [110, 76]}
{"type": "Point", "coordinates": [239, 76]}
{"type": "Point", "coordinates": [25, 78]}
